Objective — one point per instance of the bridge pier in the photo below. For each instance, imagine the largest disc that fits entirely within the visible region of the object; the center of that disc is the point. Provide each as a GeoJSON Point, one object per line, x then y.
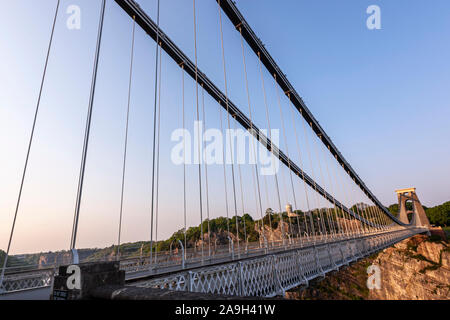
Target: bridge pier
{"type": "Point", "coordinates": [79, 281]}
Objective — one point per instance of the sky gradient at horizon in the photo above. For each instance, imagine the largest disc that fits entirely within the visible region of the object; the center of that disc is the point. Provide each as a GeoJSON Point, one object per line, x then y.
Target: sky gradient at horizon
{"type": "Point", "coordinates": [381, 95]}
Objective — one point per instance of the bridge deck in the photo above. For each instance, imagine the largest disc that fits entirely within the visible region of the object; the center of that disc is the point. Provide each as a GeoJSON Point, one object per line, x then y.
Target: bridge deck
{"type": "Point", "coordinates": [304, 259]}
{"type": "Point", "coordinates": [275, 272]}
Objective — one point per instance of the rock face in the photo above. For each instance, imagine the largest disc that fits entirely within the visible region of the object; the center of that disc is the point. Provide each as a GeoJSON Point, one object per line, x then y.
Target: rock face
{"type": "Point", "coordinates": [414, 272]}
{"type": "Point", "coordinates": [431, 251]}
{"type": "Point", "coordinates": [49, 259]}
{"type": "Point", "coordinates": [414, 269]}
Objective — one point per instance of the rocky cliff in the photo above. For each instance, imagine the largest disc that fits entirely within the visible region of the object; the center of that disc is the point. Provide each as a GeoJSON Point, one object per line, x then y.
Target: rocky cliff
{"type": "Point", "coordinates": [417, 268]}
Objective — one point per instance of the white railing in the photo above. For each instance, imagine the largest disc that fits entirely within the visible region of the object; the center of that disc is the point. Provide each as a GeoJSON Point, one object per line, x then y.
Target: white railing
{"type": "Point", "coordinates": [275, 273]}
{"type": "Point", "coordinates": [259, 271]}
{"type": "Point", "coordinates": [27, 280]}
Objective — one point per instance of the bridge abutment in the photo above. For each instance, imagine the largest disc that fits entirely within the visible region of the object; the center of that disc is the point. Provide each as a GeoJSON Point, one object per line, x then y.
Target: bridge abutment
{"type": "Point", "coordinates": [78, 282]}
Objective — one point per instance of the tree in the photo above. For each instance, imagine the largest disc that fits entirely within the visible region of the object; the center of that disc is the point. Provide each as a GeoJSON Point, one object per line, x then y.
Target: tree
{"type": "Point", "coordinates": [393, 209]}
{"type": "Point", "coordinates": [439, 215]}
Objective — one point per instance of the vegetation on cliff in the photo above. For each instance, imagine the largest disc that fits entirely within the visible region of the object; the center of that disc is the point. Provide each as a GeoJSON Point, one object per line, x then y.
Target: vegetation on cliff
{"type": "Point", "coordinates": [439, 215]}
{"type": "Point", "coordinates": [11, 260]}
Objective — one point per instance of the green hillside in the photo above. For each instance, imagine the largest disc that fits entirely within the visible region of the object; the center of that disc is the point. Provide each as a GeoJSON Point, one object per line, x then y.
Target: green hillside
{"type": "Point", "coordinates": [12, 261]}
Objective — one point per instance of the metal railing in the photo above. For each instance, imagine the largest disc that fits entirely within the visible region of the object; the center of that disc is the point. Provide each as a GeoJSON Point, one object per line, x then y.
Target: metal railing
{"type": "Point", "coordinates": [272, 274]}
{"type": "Point", "coordinates": [331, 252]}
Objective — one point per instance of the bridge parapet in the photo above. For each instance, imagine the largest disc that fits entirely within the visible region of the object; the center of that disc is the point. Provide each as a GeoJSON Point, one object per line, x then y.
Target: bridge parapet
{"type": "Point", "coordinates": [273, 274]}
{"type": "Point", "coordinates": [27, 280]}
{"type": "Point", "coordinates": [261, 274]}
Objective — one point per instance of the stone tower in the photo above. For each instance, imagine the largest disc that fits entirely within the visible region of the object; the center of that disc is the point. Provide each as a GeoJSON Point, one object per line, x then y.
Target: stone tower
{"type": "Point", "coordinates": [289, 210]}
{"type": "Point", "coordinates": [419, 218]}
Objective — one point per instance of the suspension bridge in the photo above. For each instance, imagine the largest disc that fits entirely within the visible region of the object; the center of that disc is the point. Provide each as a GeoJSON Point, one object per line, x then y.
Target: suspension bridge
{"type": "Point", "coordinates": [322, 229]}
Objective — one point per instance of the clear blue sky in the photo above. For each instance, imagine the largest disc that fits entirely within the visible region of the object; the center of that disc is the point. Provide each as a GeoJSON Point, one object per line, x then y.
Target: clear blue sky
{"type": "Point", "coordinates": [381, 95]}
